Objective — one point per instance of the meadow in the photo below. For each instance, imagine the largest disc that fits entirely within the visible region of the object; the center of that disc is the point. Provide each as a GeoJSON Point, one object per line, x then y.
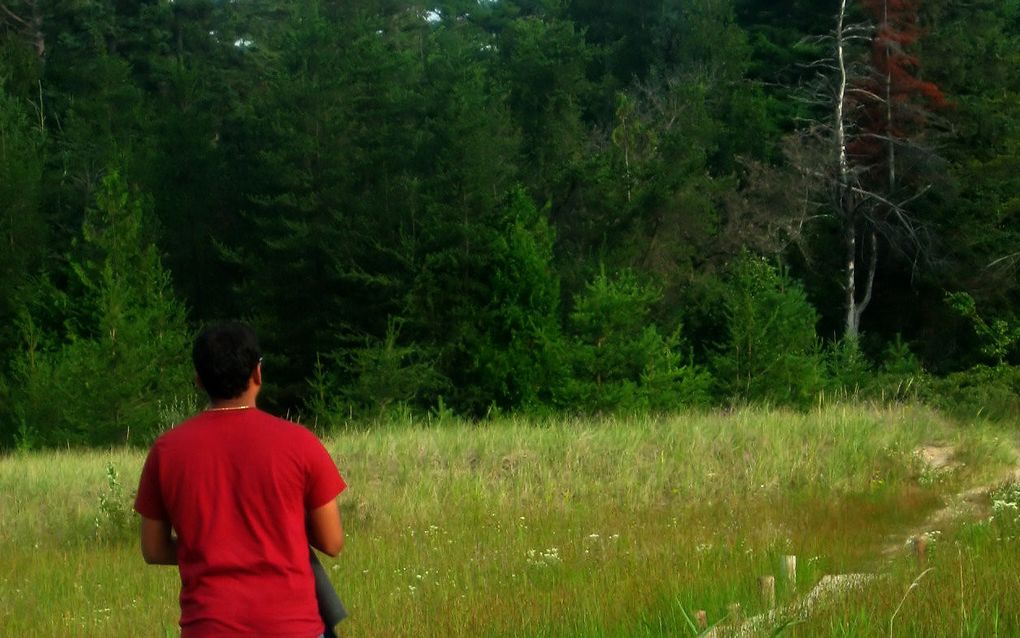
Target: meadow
{"type": "Point", "coordinates": [580, 527]}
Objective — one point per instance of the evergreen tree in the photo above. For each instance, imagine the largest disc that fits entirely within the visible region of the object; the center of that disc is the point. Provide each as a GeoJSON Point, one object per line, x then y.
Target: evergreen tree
{"type": "Point", "coordinates": [771, 350]}
{"type": "Point", "coordinates": [321, 250]}
{"type": "Point", "coordinates": [542, 66]}
{"type": "Point", "coordinates": [974, 53]}
{"type": "Point", "coordinates": [519, 353]}
{"type": "Point", "coordinates": [486, 302]}
{"type": "Point", "coordinates": [123, 352]}
{"type": "Point", "coordinates": [23, 232]}
{"type": "Point", "coordinates": [619, 359]}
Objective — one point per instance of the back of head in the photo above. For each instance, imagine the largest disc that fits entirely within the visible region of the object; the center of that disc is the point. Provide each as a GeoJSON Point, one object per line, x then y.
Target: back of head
{"type": "Point", "coordinates": [225, 355]}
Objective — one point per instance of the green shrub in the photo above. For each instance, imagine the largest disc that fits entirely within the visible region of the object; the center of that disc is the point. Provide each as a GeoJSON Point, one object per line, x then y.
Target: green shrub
{"type": "Point", "coordinates": [850, 374]}
{"type": "Point", "coordinates": [997, 336]}
{"type": "Point", "coordinates": [898, 359]}
{"type": "Point", "coordinates": [849, 371]}
{"type": "Point", "coordinates": [982, 391]}
{"type": "Point", "coordinates": [899, 376]}
{"type": "Point", "coordinates": [618, 358]}
{"type": "Point", "coordinates": [771, 351]}
{"type": "Point", "coordinates": [670, 380]}
{"type": "Point", "coordinates": [385, 374]}
{"type": "Point", "coordinates": [121, 349]}
{"type": "Point", "coordinates": [115, 520]}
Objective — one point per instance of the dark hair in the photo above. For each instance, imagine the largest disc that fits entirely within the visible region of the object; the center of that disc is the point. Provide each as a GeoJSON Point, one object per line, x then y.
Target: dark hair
{"type": "Point", "coordinates": [225, 355]}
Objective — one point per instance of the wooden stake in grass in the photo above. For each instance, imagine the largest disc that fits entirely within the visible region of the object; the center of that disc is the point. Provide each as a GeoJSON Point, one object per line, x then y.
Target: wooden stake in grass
{"type": "Point", "coordinates": [767, 587]}
{"type": "Point", "coordinates": [790, 571]}
{"type": "Point", "coordinates": [920, 544]}
{"type": "Point", "coordinates": [701, 619]}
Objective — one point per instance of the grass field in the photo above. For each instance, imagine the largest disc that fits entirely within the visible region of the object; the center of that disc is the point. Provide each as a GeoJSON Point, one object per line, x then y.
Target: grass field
{"type": "Point", "coordinates": [616, 527]}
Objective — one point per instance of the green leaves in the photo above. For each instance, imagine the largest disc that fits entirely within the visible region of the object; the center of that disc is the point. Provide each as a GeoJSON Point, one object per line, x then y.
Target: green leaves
{"type": "Point", "coordinates": [997, 336]}
{"type": "Point", "coordinates": [619, 360]}
{"type": "Point", "coordinates": [771, 350]}
{"type": "Point", "coordinates": [23, 225]}
{"type": "Point", "coordinates": [515, 202]}
{"type": "Point", "coordinates": [103, 378]}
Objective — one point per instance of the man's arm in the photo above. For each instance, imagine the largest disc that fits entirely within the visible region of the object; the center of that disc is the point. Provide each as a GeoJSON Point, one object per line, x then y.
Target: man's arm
{"type": "Point", "coordinates": [159, 547]}
{"type": "Point", "coordinates": [325, 531]}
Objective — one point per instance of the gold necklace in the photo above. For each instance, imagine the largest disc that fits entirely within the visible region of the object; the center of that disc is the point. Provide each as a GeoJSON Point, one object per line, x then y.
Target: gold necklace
{"type": "Point", "coordinates": [230, 407]}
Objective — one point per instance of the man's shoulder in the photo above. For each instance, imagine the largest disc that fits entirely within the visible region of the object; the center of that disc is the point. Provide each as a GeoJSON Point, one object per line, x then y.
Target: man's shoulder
{"type": "Point", "coordinates": [274, 430]}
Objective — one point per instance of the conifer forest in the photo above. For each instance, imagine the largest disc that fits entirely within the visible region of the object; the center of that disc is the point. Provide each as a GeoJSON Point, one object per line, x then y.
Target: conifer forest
{"type": "Point", "coordinates": [484, 207]}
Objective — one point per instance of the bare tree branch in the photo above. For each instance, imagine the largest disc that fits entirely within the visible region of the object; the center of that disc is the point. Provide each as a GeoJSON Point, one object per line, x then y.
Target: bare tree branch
{"type": "Point", "coordinates": [13, 16]}
{"type": "Point", "coordinates": [1015, 257]}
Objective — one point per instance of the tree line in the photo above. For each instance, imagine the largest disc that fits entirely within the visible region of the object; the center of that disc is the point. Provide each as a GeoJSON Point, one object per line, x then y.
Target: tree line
{"type": "Point", "coordinates": [472, 206]}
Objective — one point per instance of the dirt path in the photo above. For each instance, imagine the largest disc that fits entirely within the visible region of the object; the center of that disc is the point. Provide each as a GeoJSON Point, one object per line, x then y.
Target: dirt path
{"type": "Point", "coordinates": [967, 505]}
{"type": "Point", "coordinates": [970, 504]}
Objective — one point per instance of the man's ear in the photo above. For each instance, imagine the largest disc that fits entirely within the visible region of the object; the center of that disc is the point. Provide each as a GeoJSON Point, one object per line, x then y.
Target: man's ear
{"type": "Point", "coordinates": [256, 375]}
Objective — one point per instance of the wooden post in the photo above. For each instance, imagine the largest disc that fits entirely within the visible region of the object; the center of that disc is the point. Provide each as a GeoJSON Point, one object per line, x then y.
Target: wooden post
{"type": "Point", "coordinates": [733, 612]}
{"type": "Point", "coordinates": [920, 544]}
{"type": "Point", "coordinates": [790, 571]}
{"type": "Point", "coordinates": [767, 587]}
{"type": "Point", "coordinates": [701, 619]}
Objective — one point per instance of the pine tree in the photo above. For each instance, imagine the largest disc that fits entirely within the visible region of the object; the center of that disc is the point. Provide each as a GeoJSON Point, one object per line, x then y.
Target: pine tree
{"type": "Point", "coordinates": [23, 231]}
{"type": "Point", "coordinates": [122, 353]}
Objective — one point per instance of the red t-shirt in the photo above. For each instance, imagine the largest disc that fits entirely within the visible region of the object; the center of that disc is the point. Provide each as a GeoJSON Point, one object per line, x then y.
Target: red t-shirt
{"type": "Point", "coordinates": [236, 486]}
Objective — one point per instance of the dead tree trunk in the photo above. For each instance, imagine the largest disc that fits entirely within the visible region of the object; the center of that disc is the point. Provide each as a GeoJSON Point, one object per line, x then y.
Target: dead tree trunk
{"type": "Point", "coordinates": [874, 110]}
{"type": "Point", "coordinates": [848, 200]}
{"type": "Point", "coordinates": [29, 23]}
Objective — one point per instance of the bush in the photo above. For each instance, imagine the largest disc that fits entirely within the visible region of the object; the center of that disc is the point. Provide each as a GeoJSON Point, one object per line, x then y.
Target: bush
{"type": "Point", "coordinates": [619, 360]}
{"type": "Point", "coordinates": [485, 304]}
{"type": "Point", "coordinates": [851, 375]}
{"type": "Point", "coordinates": [997, 336]}
{"type": "Point", "coordinates": [771, 350]}
{"type": "Point", "coordinates": [670, 380]}
{"type": "Point", "coordinates": [115, 519]}
{"type": "Point", "coordinates": [899, 360]}
{"type": "Point", "coordinates": [982, 391]}
{"type": "Point", "coordinates": [385, 374]}
{"type": "Point", "coordinates": [849, 372]}
{"type": "Point", "coordinates": [121, 351]}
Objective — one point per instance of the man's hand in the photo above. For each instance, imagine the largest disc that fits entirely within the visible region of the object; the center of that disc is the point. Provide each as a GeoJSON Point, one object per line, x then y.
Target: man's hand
{"type": "Point", "coordinates": [159, 547]}
{"type": "Point", "coordinates": [325, 531]}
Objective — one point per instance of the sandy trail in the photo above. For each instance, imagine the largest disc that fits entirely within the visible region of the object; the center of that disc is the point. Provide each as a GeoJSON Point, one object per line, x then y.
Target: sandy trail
{"type": "Point", "coordinates": [970, 504]}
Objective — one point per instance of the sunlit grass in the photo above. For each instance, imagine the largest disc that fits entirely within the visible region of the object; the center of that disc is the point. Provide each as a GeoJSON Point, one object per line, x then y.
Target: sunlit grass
{"type": "Point", "coordinates": [615, 527]}
{"type": "Point", "coordinates": [972, 590]}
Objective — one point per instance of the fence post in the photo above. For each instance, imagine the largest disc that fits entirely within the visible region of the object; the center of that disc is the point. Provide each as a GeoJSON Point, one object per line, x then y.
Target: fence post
{"type": "Point", "coordinates": [701, 619]}
{"type": "Point", "coordinates": [767, 587]}
{"type": "Point", "coordinates": [920, 544]}
{"type": "Point", "coordinates": [790, 571]}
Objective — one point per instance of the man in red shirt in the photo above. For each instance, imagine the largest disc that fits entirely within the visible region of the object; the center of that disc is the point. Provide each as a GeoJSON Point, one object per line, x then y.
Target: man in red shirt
{"type": "Point", "coordinates": [233, 497]}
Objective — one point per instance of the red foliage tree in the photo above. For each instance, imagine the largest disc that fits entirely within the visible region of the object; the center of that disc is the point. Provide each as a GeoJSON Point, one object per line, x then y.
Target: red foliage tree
{"type": "Point", "coordinates": [894, 102]}
{"type": "Point", "coordinates": [881, 113]}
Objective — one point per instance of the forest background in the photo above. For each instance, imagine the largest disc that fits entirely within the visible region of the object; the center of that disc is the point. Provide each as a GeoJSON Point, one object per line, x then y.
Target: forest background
{"type": "Point", "coordinates": [491, 206]}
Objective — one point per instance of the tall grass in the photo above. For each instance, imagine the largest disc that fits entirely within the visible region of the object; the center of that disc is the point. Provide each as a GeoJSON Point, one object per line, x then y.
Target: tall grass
{"type": "Point", "coordinates": [613, 527]}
